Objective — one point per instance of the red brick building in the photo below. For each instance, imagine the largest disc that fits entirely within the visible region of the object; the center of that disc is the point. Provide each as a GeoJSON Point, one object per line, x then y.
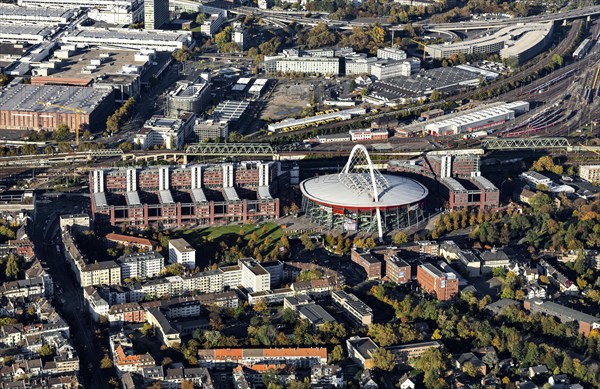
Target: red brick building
{"type": "Point", "coordinates": [397, 270]}
{"type": "Point", "coordinates": [368, 262]}
{"type": "Point", "coordinates": [189, 195]}
{"type": "Point", "coordinates": [434, 281]}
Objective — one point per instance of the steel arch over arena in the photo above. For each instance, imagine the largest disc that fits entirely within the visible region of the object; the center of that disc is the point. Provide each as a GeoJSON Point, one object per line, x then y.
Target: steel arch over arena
{"type": "Point", "coordinates": [360, 198]}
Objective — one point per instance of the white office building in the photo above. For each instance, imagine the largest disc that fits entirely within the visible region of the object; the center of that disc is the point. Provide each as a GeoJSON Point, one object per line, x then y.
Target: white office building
{"type": "Point", "coordinates": [391, 53]}
{"type": "Point", "coordinates": [390, 68]}
{"type": "Point", "coordinates": [291, 61]}
{"type": "Point", "coordinates": [180, 251]}
{"type": "Point", "coordinates": [171, 133]}
{"type": "Point", "coordinates": [129, 39]}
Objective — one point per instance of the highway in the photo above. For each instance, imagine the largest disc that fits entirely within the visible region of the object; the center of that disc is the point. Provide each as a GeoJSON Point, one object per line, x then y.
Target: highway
{"type": "Point", "coordinates": [471, 25]}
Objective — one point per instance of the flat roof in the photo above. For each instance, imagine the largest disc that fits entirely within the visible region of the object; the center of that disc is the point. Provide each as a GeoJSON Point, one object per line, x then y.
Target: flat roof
{"type": "Point", "coordinates": [329, 190]}
{"type": "Point", "coordinates": [75, 65]}
{"type": "Point", "coordinates": [19, 29]}
{"type": "Point", "coordinates": [315, 314]}
{"type": "Point", "coordinates": [181, 245]}
{"type": "Point", "coordinates": [23, 97]}
{"type": "Point", "coordinates": [14, 12]}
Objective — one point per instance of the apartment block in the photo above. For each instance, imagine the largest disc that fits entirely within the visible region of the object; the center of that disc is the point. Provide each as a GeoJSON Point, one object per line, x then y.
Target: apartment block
{"type": "Point", "coordinates": [590, 173]}
{"type": "Point", "coordinates": [254, 277]}
{"type": "Point", "coordinates": [141, 265]}
{"type": "Point", "coordinates": [180, 251]}
{"type": "Point", "coordinates": [434, 281]}
{"type": "Point", "coordinates": [300, 357]}
{"type": "Point", "coordinates": [356, 310]}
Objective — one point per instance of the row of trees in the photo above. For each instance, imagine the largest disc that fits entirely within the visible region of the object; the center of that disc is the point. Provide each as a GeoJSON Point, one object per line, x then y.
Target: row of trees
{"type": "Point", "coordinates": [117, 119]}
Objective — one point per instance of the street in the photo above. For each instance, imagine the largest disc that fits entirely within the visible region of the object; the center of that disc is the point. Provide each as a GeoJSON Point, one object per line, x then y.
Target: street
{"type": "Point", "coordinates": [68, 294]}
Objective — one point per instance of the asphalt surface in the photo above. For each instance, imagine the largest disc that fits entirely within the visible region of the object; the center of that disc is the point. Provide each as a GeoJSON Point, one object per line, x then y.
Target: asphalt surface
{"type": "Point", "coordinates": [68, 294]}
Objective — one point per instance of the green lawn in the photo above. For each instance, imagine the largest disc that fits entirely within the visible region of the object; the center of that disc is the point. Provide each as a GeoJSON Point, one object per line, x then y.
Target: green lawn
{"type": "Point", "coordinates": [207, 241]}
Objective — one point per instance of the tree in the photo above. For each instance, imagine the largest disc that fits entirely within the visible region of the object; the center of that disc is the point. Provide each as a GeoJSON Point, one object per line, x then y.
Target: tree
{"type": "Point", "coordinates": [337, 354]}
{"type": "Point", "coordinates": [62, 132]}
{"type": "Point", "coordinates": [12, 266]}
{"type": "Point", "coordinates": [383, 334]}
{"type": "Point", "coordinates": [383, 359]}
{"type": "Point", "coordinates": [469, 369]}
{"type": "Point", "coordinates": [557, 59]}
{"type": "Point", "coordinates": [432, 363]}
{"type": "Point", "coordinates": [400, 238]}
{"type": "Point", "coordinates": [106, 362]}
{"type": "Point", "coordinates": [186, 384]}
{"type": "Point", "coordinates": [125, 147]}
{"type": "Point", "coordinates": [260, 307]}
{"type": "Point", "coordinates": [435, 95]}
{"type": "Point", "coordinates": [183, 54]}
{"type": "Point", "coordinates": [46, 350]}
{"type": "Point", "coordinates": [200, 18]}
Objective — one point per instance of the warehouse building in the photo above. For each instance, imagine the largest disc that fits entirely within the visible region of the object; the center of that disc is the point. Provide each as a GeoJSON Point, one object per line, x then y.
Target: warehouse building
{"type": "Point", "coordinates": [474, 121]}
{"type": "Point", "coordinates": [189, 195]}
{"type": "Point", "coordinates": [129, 39]}
{"type": "Point", "coordinates": [36, 14]}
{"type": "Point", "coordinates": [27, 107]}
{"type": "Point", "coordinates": [11, 32]}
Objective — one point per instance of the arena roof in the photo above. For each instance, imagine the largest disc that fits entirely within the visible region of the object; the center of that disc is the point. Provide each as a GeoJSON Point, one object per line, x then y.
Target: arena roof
{"type": "Point", "coordinates": [329, 190]}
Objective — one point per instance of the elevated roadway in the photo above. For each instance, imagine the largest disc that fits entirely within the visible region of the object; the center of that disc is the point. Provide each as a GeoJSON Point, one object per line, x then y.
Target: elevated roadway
{"type": "Point", "coordinates": [472, 25]}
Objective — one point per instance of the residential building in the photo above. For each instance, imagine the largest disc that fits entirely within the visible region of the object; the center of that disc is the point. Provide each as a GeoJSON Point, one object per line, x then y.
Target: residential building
{"type": "Point", "coordinates": [586, 322]}
{"type": "Point", "coordinates": [368, 262]}
{"type": "Point", "coordinates": [590, 173]}
{"type": "Point", "coordinates": [131, 241]}
{"type": "Point", "coordinates": [356, 310]}
{"type": "Point", "coordinates": [167, 334]}
{"type": "Point", "coordinates": [471, 358]}
{"type": "Point", "coordinates": [180, 251]}
{"type": "Point", "coordinates": [327, 376]}
{"type": "Point", "coordinates": [493, 258]}
{"type": "Point", "coordinates": [124, 357]}
{"type": "Point", "coordinates": [254, 277]}
{"type": "Point", "coordinates": [81, 220]}
{"type": "Point", "coordinates": [434, 281]}
{"type": "Point", "coordinates": [406, 353]}
{"type": "Point", "coordinates": [213, 23]}
{"type": "Point", "coordinates": [361, 349]}
{"type": "Point", "coordinates": [298, 357]}
{"type": "Point", "coordinates": [141, 265]}
{"type": "Point", "coordinates": [238, 35]}
{"type": "Point", "coordinates": [156, 14]}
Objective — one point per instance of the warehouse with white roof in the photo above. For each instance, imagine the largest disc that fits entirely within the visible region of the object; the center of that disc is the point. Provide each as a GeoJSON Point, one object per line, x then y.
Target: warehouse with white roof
{"type": "Point", "coordinates": [475, 121]}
